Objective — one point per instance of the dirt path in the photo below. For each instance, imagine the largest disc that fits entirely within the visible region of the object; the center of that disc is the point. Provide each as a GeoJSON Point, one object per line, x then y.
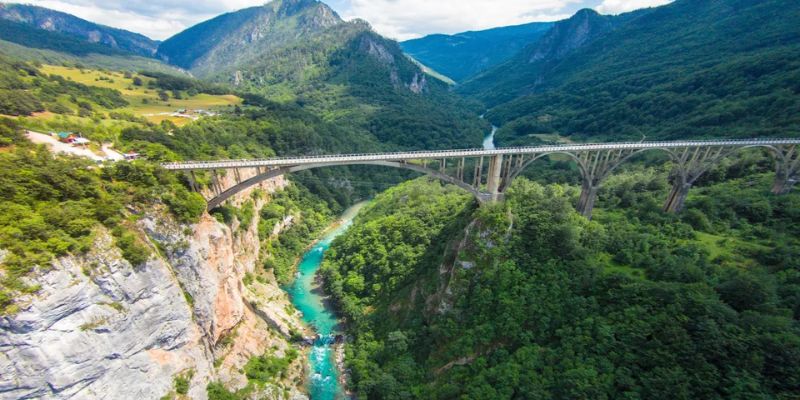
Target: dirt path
{"type": "Point", "coordinates": [66, 148]}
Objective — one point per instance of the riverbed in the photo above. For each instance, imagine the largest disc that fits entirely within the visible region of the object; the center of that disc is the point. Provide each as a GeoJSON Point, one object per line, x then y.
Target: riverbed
{"type": "Point", "coordinates": [307, 296]}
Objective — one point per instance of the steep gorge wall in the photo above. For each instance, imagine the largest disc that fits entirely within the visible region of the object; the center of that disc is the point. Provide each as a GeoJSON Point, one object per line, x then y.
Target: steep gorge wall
{"type": "Point", "coordinates": [102, 328]}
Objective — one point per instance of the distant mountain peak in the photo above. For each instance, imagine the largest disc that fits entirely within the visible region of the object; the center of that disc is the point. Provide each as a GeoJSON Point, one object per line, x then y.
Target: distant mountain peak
{"type": "Point", "coordinates": [320, 13]}
{"type": "Point", "coordinates": [585, 12]}
{"type": "Point", "coordinates": [211, 46]}
{"type": "Point", "coordinates": [570, 34]}
{"type": "Point", "coordinates": [55, 21]}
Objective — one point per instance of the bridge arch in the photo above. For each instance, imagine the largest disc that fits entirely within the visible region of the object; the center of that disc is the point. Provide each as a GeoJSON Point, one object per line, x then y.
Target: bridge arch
{"type": "Point", "coordinates": [582, 164]}
{"type": "Point", "coordinates": [241, 186]}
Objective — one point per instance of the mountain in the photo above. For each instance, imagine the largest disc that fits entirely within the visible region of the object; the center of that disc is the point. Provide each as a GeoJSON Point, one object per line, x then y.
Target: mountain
{"type": "Point", "coordinates": [564, 37]}
{"type": "Point", "coordinates": [723, 68]}
{"type": "Point", "coordinates": [243, 36]}
{"type": "Point", "coordinates": [465, 54]}
{"type": "Point", "coordinates": [301, 51]}
{"type": "Point", "coordinates": [39, 27]}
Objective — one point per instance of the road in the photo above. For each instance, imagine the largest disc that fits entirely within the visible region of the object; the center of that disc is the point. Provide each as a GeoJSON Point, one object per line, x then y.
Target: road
{"type": "Point", "coordinates": [66, 148]}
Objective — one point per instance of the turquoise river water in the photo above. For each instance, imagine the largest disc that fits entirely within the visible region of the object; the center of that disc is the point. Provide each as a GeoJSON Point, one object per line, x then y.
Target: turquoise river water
{"type": "Point", "coordinates": [306, 296]}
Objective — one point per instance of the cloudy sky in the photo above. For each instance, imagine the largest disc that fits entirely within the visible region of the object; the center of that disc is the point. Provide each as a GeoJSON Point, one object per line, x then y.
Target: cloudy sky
{"type": "Point", "coordinates": [398, 19]}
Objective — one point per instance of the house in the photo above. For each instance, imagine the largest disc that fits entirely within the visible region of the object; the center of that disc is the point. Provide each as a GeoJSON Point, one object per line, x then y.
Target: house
{"type": "Point", "coordinates": [65, 137]}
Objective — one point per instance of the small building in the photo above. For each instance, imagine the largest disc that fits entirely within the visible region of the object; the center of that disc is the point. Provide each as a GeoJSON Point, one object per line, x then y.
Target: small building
{"type": "Point", "coordinates": [66, 137]}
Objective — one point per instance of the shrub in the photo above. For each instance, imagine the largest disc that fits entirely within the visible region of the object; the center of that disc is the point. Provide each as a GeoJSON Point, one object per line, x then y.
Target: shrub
{"type": "Point", "coordinates": [132, 249]}
{"type": "Point", "coordinates": [10, 132]}
{"type": "Point", "coordinates": [182, 383]}
{"type": "Point", "coordinates": [185, 205]}
{"type": "Point", "coordinates": [216, 391]}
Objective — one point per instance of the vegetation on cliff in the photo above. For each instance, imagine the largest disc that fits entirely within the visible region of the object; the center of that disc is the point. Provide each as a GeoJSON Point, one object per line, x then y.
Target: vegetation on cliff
{"type": "Point", "coordinates": [53, 205]}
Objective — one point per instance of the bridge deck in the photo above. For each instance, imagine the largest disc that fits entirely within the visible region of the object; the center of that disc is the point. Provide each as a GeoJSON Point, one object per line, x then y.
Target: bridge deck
{"type": "Point", "coordinates": [421, 155]}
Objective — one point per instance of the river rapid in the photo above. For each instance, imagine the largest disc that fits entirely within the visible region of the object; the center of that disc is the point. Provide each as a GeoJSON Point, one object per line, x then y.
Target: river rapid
{"type": "Point", "coordinates": [307, 296]}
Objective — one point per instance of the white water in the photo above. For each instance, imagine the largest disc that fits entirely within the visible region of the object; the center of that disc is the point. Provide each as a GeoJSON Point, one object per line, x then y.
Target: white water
{"type": "Point", "coordinates": [488, 141]}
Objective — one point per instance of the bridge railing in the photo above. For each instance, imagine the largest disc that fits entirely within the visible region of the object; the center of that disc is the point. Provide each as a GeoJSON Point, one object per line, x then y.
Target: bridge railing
{"type": "Point", "coordinates": [439, 154]}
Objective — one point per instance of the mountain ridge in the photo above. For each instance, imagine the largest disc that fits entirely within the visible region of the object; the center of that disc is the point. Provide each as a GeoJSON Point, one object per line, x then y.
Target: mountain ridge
{"type": "Point", "coordinates": [465, 54]}
{"type": "Point", "coordinates": [535, 59]}
{"type": "Point", "coordinates": [208, 47]}
{"type": "Point", "coordinates": [49, 20]}
{"type": "Point", "coordinates": [713, 68]}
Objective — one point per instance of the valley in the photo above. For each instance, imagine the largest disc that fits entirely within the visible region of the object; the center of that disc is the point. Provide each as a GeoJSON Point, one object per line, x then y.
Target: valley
{"type": "Point", "coordinates": [247, 215]}
{"type": "Point", "coordinates": [326, 373]}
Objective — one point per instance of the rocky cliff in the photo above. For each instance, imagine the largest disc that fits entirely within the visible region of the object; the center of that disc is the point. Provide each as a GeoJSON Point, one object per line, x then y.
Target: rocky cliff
{"type": "Point", "coordinates": [102, 328]}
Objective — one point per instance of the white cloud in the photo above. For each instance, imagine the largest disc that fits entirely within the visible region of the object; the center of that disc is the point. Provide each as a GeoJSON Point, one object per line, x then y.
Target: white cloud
{"type": "Point", "coordinates": [405, 19]}
{"type": "Point", "coordinates": [155, 19]}
{"type": "Point", "coordinates": [621, 6]}
{"type": "Point", "coordinates": [398, 19]}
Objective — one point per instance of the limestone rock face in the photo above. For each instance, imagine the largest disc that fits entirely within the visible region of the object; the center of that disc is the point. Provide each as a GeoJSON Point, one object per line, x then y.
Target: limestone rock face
{"type": "Point", "coordinates": [100, 328]}
{"type": "Point", "coordinates": [118, 330]}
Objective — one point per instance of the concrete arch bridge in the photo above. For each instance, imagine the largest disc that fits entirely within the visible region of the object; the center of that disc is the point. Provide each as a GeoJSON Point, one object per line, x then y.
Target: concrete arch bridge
{"type": "Point", "coordinates": [487, 174]}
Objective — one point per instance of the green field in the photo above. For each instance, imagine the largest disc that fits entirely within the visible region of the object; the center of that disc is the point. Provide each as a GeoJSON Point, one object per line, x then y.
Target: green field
{"type": "Point", "coordinates": [144, 102]}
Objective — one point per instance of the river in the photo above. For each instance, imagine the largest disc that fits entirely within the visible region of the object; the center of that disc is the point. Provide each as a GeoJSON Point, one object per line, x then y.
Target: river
{"type": "Point", "coordinates": [306, 295]}
{"type": "Point", "coordinates": [488, 141]}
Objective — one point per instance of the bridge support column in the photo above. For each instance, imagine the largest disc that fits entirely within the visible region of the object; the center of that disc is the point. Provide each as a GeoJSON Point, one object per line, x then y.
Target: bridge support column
{"type": "Point", "coordinates": [787, 171]}
{"type": "Point", "coordinates": [677, 196]}
{"type": "Point", "coordinates": [193, 181]}
{"type": "Point", "coordinates": [493, 180]}
{"type": "Point", "coordinates": [783, 185]}
{"type": "Point", "coordinates": [216, 185]}
{"type": "Point", "coordinates": [691, 164]}
{"type": "Point", "coordinates": [587, 199]}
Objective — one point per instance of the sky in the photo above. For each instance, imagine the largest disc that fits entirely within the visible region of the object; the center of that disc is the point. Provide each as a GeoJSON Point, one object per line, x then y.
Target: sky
{"type": "Point", "coordinates": [397, 19]}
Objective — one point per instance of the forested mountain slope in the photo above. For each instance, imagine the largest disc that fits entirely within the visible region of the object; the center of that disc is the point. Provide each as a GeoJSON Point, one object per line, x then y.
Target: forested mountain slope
{"type": "Point", "coordinates": [465, 54]}
{"type": "Point", "coordinates": [93, 35]}
{"type": "Point", "coordinates": [300, 51]}
{"type": "Point", "coordinates": [529, 66]}
{"type": "Point", "coordinates": [232, 40]}
{"type": "Point", "coordinates": [526, 299]}
{"type": "Point", "coordinates": [688, 69]}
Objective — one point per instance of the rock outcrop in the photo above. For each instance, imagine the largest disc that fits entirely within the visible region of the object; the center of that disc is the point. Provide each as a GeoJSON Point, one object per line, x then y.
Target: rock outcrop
{"type": "Point", "coordinates": [102, 328]}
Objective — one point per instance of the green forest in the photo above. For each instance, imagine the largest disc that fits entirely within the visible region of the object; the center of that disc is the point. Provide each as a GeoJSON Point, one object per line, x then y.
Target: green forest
{"type": "Point", "coordinates": [665, 73]}
{"type": "Point", "coordinates": [527, 299]}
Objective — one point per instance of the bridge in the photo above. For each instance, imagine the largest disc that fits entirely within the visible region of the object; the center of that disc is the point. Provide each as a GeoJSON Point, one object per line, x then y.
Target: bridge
{"type": "Point", "coordinates": [487, 174]}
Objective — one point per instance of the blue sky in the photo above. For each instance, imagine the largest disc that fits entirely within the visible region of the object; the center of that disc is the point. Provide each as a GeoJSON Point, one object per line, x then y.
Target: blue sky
{"type": "Point", "coordinates": [397, 19]}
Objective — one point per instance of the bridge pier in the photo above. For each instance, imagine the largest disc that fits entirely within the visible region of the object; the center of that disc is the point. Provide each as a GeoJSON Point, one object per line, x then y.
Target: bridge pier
{"type": "Point", "coordinates": [193, 181]}
{"type": "Point", "coordinates": [493, 180]}
{"type": "Point", "coordinates": [787, 171]}
{"type": "Point", "coordinates": [587, 199]}
{"type": "Point", "coordinates": [677, 197]}
{"type": "Point", "coordinates": [783, 185]}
